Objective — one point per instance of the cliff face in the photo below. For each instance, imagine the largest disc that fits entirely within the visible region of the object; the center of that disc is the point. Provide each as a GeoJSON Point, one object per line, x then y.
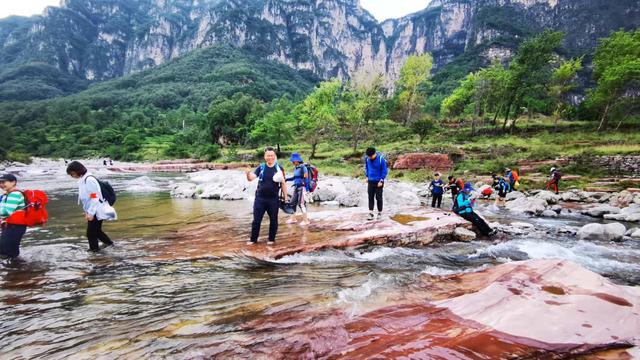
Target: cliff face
{"type": "Point", "coordinates": [103, 39]}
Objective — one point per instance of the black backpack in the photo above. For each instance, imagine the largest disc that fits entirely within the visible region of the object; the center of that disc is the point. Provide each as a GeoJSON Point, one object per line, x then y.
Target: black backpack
{"type": "Point", "coordinates": [107, 190]}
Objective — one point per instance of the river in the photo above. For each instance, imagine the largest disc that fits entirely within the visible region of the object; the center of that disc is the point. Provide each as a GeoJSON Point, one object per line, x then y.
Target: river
{"type": "Point", "coordinates": [138, 299]}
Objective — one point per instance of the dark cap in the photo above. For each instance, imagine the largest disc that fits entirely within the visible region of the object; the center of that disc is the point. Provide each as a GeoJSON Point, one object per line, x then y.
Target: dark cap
{"type": "Point", "coordinates": [8, 177]}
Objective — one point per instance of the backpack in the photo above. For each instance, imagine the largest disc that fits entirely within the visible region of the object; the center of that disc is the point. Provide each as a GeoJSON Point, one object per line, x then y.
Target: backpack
{"type": "Point", "coordinates": [460, 184]}
{"type": "Point", "coordinates": [514, 176]}
{"type": "Point", "coordinates": [312, 178]}
{"type": "Point", "coordinates": [557, 175]}
{"type": "Point", "coordinates": [35, 211]}
{"type": "Point", "coordinates": [503, 183]}
{"type": "Point", "coordinates": [108, 194]}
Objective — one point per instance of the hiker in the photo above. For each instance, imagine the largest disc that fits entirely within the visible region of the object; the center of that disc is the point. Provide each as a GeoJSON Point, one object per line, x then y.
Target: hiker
{"type": "Point", "coordinates": [455, 185]}
{"type": "Point", "coordinates": [437, 189]}
{"type": "Point", "coordinates": [375, 170]}
{"type": "Point", "coordinates": [299, 178]}
{"type": "Point", "coordinates": [95, 205]}
{"type": "Point", "coordinates": [513, 177]}
{"type": "Point", "coordinates": [554, 180]}
{"type": "Point", "coordinates": [502, 186]}
{"type": "Point", "coordinates": [11, 201]}
{"type": "Point", "coordinates": [271, 180]}
{"type": "Point", "coordinates": [463, 206]}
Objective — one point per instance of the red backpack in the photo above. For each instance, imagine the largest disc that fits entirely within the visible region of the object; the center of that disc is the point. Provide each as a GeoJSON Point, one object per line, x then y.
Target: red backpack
{"type": "Point", "coordinates": [34, 213]}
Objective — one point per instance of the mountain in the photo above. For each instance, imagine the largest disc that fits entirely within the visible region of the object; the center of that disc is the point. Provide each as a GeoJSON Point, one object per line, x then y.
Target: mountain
{"type": "Point", "coordinates": [95, 40]}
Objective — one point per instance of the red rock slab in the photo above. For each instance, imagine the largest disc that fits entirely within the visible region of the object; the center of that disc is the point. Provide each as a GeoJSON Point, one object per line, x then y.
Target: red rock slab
{"type": "Point", "coordinates": [416, 161]}
{"type": "Point", "coordinates": [416, 325]}
{"type": "Point", "coordinates": [633, 190]}
{"type": "Point", "coordinates": [599, 189]}
{"type": "Point", "coordinates": [330, 229]}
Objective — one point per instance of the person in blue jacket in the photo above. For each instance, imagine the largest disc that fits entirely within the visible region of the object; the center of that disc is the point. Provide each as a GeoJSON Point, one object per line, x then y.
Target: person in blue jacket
{"type": "Point", "coordinates": [463, 206]}
{"type": "Point", "coordinates": [299, 178]}
{"type": "Point", "coordinates": [437, 189]}
{"type": "Point", "coordinates": [503, 187]}
{"type": "Point", "coordinates": [375, 170]}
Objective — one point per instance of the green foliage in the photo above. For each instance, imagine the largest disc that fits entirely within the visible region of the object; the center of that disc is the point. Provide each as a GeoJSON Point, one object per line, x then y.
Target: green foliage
{"type": "Point", "coordinates": [359, 107]}
{"type": "Point", "coordinates": [277, 126]}
{"type": "Point", "coordinates": [412, 86]}
{"type": "Point", "coordinates": [562, 82]}
{"type": "Point", "coordinates": [229, 120]}
{"type": "Point", "coordinates": [616, 68]}
{"type": "Point", "coordinates": [317, 114]}
{"type": "Point", "coordinates": [423, 127]}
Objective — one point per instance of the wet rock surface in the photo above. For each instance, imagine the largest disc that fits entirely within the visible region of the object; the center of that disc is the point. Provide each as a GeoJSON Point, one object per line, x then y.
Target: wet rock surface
{"type": "Point", "coordinates": [501, 313]}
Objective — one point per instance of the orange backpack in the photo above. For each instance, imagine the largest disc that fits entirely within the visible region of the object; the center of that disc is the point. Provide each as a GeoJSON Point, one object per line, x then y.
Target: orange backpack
{"type": "Point", "coordinates": [34, 213]}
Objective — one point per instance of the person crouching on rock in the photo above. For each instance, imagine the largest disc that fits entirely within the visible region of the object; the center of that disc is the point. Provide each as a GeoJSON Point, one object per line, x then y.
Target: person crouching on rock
{"type": "Point", "coordinates": [95, 206]}
{"type": "Point", "coordinates": [463, 206]}
{"type": "Point", "coordinates": [299, 178]}
{"type": "Point", "coordinates": [375, 170]}
{"type": "Point", "coordinates": [12, 201]}
{"type": "Point", "coordinates": [271, 180]}
{"type": "Point", "coordinates": [437, 189]}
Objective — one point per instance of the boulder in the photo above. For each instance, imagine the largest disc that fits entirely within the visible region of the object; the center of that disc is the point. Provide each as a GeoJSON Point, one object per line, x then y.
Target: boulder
{"type": "Point", "coordinates": [635, 235]}
{"type": "Point", "coordinates": [514, 195]}
{"type": "Point", "coordinates": [631, 214]}
{"type": "Point", "coordinates": [462, 234]}
{"type": "Point", "coordinates": [531, 206]}
{"type": "Point", "coordinates": [548, 196]}
{"type": "Point", "coordinates": [549, 214]}
{"type": "Point", "coordinates": [183, 190]}
{"type": "Point", "coordinates": [329, 189]}
{"type": "Point", "coordinates": [416, 161]}
{"type": "Point", "coordinates": [571, 196]}
{"type": "Point", "coordinates": [604, 232]}
{"type": "Point", "coordinates": [622, 199]}
{"type": "Point", "coordinates": [600, 210]}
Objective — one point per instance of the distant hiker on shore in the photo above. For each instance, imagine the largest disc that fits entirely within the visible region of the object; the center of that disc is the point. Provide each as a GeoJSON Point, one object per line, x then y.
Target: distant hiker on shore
{"type": "Point", "coordinates": [502, 187]}
{"type": "Point", "coordinates": [97, 199]}
{"type": "Point", "coordinates": [437, 189]}
{"type": "Point", "coordinates": [375, 170]}
{"type": "Point", "coordinates": [463, 206]}
{"type": "Point", "coordinates": [455, 185]}
{"type": "Point", "coordinates": [11, 201]}
{"type": "Point", "coordinates": [554, 180]}
{"type": "Point", "coordinates": [513, 178]}
{"type": "Point", "coordinates": [271, 181]}
{"type": "Point", "coordinates": [299, 178]}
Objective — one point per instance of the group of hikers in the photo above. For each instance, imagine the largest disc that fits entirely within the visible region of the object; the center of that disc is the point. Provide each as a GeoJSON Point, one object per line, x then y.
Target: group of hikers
{"type": "Point", "coordinates": [19, 209]}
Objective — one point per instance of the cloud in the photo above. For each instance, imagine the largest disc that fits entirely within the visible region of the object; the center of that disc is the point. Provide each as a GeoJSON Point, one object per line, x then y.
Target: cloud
{"type": "Point", "coordinates": [25, 7]}
{"type": "Point", "coordinates": [391, 9]}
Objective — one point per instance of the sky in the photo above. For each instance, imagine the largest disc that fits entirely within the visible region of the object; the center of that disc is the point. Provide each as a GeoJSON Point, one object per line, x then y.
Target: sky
{"type": "Point", "coordinates": [381, 9]}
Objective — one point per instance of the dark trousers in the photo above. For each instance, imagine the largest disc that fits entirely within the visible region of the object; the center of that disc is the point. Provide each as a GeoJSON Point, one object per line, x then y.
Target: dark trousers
{"type": "Point", "coordinates": [271, 207]}
{"type": "Point", "coordinates": [375, 193]}
{"type": "Point", "coordinates": [10, 240]}
{"type": "Point", "coordinates": [476, 220]}
{"type": "Point", "coordinates": [95, 233]}
{"type": "Point", "coordinates": [436, 199]}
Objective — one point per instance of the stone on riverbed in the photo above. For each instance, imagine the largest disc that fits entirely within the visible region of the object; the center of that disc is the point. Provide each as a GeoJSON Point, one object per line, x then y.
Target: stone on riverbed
{"type": "Point", "coordinates": [603, 232]}
{"type": "Point", "coordinates": [462, 234]}
{"type": "Point", "coordinates": [600, 210]}
{"type": "Point", "coordinates": [630, 214]}
{"type": "Point", "coordinates": [539, 309]}
{"type": "Point", "coordinates": [532, 205]}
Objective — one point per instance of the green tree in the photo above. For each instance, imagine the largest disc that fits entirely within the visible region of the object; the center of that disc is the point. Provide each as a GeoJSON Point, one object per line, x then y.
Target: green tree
{"type": "Point", "coordinates": [563, 82]}
{"type": "Point", "coordinates": [229, 119]}
{"type": "Point", "coordinates": [413, 85]}
{"type": "Point", "coordinates": [277, 126]}
{"type": "Point", "coordinates": [530, 68]}
{"type": "Point", "coordinates": [359, 107]}
{"type": "Point", "coordinates": [423, 127]}
{"type": "Point", "coordinates": [616, 69]}
{"type": "Point", "coordinates": [317, 113]}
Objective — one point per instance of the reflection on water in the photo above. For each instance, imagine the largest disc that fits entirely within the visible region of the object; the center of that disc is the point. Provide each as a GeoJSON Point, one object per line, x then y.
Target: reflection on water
{"type": "Point", "coordinates": [60, 301]}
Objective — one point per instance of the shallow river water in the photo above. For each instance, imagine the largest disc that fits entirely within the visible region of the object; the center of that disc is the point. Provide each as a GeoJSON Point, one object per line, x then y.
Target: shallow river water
{"type": "Point", "coordinates": [137, 300]}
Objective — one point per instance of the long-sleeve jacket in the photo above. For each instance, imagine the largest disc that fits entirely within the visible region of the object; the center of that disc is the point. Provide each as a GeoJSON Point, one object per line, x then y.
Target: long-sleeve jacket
{"type": "Point", "coordinates": [376, 169]}
{"type": "Point", "coordinates": [93, 203]}
{"type": "Point", "coordinates": [464, 203]}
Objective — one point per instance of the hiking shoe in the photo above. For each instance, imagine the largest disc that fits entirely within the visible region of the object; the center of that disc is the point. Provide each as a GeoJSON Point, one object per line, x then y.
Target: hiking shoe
{"type": "Point", "coordinates": [370, 217]}
{"type": "Point", "coordinates": [251, 243]}
{"type": "Point", "coordinates": [271, 243]}
{"type": "Point", "coordinates": [379, 216]}
{"type": "Point", "coordinates": [493, 232]}
{"type": "Point", "coordinates": [291, 221]}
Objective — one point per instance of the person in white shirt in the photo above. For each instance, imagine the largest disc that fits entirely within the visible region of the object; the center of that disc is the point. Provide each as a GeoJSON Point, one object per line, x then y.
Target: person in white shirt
{"type": "Point", "coordinates": [96, 208]}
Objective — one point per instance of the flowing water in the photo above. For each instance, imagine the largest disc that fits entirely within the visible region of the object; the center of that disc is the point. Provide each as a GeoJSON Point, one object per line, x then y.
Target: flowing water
{"type": "Point", "coordinates": [137, 299]}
